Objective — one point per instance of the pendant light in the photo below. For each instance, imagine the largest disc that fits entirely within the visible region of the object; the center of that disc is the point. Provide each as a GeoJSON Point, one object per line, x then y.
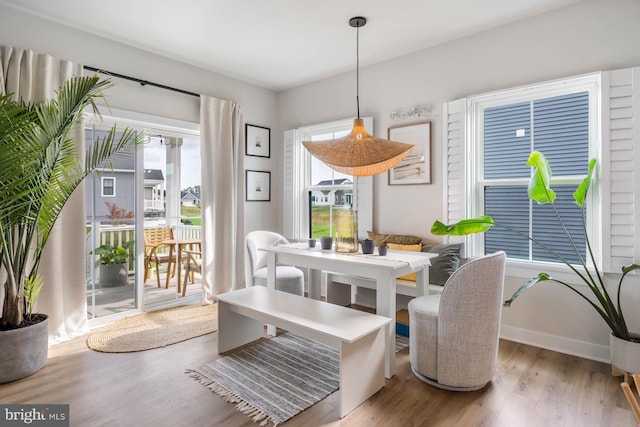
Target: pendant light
{"type": "Point", "coordinates": [358, 153]}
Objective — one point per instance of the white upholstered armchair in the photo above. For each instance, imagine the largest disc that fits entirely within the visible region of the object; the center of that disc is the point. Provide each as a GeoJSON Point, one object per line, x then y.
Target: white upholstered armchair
{"type": "Point", "coordinates": [288, 278]}
{"type": "Point", "coordinates": [453, 337]}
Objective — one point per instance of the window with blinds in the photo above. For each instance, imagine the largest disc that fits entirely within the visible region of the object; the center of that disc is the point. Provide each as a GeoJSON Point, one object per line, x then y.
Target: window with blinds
{"type": "Point", "coordinates": [558, 127]}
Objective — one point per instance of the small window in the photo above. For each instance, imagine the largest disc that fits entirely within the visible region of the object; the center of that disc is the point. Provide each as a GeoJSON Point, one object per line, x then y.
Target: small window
{"type": "Point", "coordinates": [109, 187]}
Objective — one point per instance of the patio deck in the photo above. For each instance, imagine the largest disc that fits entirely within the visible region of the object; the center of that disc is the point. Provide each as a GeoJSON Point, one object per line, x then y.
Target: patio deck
{"type": "Point", "coordinates": [113, 300]}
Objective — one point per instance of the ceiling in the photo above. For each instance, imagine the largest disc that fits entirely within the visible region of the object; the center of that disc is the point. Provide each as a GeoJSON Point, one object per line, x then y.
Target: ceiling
{"type": "Point", "coordinates": [279, 44]}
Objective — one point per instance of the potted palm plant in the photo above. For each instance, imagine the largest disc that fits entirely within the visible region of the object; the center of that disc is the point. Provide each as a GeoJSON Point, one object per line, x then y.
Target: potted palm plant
{"type": "Point", "coordinates": [114, 263]}
{"type": "Point", "coordinates": [39, 170]}
{"type": "Point", "coordinates": [625, 345]}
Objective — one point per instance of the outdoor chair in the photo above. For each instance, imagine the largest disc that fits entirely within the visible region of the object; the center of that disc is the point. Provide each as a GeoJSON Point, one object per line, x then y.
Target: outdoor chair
{"type": "Point", "coordinates": [191, 266]}
{"type": "Point", "coordinates": [156, 252]}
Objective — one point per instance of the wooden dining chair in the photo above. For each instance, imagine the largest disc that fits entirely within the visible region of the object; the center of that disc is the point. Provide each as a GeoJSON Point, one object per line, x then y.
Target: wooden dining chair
{"type": "Point", "coordinates": [156, 253]}
{"type": "Point", "coordinates": [191, 266]}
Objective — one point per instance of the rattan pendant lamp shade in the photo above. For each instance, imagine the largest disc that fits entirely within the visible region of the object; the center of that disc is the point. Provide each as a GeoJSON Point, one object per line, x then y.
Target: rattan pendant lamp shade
{"type": "Point", "coordinates": [358, 153]}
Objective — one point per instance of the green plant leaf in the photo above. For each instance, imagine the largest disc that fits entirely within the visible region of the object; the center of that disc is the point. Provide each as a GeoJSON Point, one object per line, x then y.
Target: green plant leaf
{"type": "Point", "coordinates": [539, 185]}
{"type": "Point", "coordinates": [464, 227]}
{"type": "Point", "coordinates": [581, 192]}
{"type": "Point", "coordinates": [541, 277]}
{"type": "Point", "coordinates": [629, 268]}
{"type": "Point", "coordinates": [32, 288]}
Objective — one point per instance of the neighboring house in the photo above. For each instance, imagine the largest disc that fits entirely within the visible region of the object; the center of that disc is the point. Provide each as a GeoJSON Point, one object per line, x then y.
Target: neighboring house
{"type": "Point", "coordinates": [154, 192]}
{"type": "Point", "coordinates": [114, 182]}
{"type": "Point", "coordinates": [189, 198]}
{"type": "Point", "coordinates": [332, 198]}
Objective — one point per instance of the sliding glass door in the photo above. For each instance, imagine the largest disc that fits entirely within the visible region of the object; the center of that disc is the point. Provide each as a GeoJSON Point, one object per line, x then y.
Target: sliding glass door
{"type": "Point", "coordinates": [171, 202]}
{"type": "Point", "coordinates": [152, 189]}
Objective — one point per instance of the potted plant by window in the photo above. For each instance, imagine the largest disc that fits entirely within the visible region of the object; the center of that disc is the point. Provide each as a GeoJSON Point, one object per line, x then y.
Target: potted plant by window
{"type": "Point", "coordinates": [114, 263]}
{"type": "Point", "coordinates": [625, 345]}
{"type": "Point", "coordinates": [39, 170]}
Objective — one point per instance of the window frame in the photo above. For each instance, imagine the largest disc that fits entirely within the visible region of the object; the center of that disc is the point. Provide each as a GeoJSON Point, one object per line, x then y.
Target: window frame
{"type": "Point", "coordinates": [298, 167]}
{"type": "Point", "coordinates": [476, 182]}
{"type": "Point", "coordinates": [102, 186]}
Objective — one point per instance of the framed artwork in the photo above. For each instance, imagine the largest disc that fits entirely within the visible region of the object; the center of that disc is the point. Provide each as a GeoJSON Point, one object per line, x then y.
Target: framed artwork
{"type": "Point", "coordinates": [257, 185]}
{"type": "Point", "coordinates": [416, 167]}
{"type": "Point", "coordinates": [257, 141]}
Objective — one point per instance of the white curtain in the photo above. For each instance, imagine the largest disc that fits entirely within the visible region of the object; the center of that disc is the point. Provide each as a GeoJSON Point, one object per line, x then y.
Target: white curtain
{"type": "Point", "coordinates": [36, 77]}
{"type": "Point", "coordinates": [221, 136]}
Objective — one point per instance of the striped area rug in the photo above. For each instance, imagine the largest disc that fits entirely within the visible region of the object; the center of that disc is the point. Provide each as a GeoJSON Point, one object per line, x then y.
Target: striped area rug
{"type": "Point", "coordinates": [275, 379]}
{"type": "Point", "coordinates": [402, 342]}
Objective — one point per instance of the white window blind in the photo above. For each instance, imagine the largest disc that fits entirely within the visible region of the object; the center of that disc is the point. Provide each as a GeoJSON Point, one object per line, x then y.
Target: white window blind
{"type": "Point", "coordinates": [619, 172]}
{"type": "Point", "coordinates": [558, 127]}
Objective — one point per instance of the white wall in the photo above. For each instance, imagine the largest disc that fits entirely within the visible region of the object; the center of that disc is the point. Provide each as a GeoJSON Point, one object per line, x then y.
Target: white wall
{"type": "Point", "coordinates": [258, 104]}
{"type": "Point", "coordinates": [588, 36]}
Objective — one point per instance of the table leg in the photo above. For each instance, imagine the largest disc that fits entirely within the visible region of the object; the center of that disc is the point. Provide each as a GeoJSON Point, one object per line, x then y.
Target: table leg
{"type": "Point", "coordinates": [386, 306]}
{"type": "Point", "coordinates": [179, 266]}
{"type": "Point", "coordinates": [169, 264]}
{"type": "Point", "coordinates": [315, 283]}
{"type": "Point", "coordinates": [422, 281]}
{"type": "Point", "coordinates": [271, 283]}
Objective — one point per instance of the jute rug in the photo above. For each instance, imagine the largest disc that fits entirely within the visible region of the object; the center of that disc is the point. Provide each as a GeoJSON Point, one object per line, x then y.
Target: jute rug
{"type": "Point", "coordinates": [155, 329]}
{"type": "Point", "coordinates": [276, 379]}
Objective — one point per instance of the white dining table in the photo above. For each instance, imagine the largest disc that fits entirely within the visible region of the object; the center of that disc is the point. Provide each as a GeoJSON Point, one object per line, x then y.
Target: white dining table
{"type": "Point", "coordinates": [383, 269]}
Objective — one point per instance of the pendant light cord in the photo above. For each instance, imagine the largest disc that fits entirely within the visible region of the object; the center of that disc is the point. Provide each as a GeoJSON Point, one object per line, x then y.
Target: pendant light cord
{"type": "Point", "coordinates": [358, 70]}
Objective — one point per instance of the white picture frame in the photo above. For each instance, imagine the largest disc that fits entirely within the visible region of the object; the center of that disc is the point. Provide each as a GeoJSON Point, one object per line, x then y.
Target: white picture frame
{"type": "Point", "coordinates": [416, 167]}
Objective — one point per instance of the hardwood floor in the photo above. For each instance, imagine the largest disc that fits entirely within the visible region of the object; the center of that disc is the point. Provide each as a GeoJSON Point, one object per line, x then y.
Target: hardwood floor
{"type": "Point", "coordinates": [532, 387]}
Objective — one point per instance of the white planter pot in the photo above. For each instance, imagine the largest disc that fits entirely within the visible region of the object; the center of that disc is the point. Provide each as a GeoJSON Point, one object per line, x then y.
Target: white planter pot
{"type": "Point", "coordinates": [625, 355]}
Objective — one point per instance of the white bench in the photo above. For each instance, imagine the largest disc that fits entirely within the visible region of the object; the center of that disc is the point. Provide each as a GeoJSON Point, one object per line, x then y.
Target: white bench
{"type": "Point", "coordinates": [338, 293]}
{"type": "Point", "coordinates": [359, 336]}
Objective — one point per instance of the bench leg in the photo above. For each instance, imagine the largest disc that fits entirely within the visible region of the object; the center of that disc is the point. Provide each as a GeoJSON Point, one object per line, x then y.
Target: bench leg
{"type": "Point", "coordinates": [361, 370]}
{"type": "Point", "coordinates": [235, 329]}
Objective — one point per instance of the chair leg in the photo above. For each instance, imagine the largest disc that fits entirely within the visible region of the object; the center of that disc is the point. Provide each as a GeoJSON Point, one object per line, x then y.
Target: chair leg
{"type": "Point", "coordinates": [187, 274]}
{"type": "Point", "coordinates": [170, 272]}
{"type": "Point", "coordinates": [158, 273]}
{"type": "Point", "coordinates": [146, 270]}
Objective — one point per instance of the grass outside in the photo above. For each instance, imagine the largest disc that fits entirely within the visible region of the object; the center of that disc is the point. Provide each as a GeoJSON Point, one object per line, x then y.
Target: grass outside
{"type": "Point", "coordinates": [320, 220]}
{"type": "Point", "coordinates": [192, 214]}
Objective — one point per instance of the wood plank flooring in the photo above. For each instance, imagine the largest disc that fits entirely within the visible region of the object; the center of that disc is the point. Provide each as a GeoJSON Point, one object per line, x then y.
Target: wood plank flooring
{"type": "Point", "coordinates": [532, 387]}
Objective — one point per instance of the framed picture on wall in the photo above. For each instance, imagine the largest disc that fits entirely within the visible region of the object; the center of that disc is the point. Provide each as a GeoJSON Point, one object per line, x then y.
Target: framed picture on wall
{"type": "Point", "coordinates": [416, 167]}
{"type": "Point", "coordinates": [257, 141]}
{"type": "Point", "coordinates": [258, 186]}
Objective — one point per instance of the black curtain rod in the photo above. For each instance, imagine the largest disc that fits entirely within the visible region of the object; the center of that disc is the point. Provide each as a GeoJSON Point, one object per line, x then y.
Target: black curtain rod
{"type": "Point", "coordinates": [142, 82]}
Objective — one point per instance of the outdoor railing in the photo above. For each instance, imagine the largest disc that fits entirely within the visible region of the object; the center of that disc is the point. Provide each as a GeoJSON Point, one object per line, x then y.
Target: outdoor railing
{"type": "Point", "coordinates": [118, 234]}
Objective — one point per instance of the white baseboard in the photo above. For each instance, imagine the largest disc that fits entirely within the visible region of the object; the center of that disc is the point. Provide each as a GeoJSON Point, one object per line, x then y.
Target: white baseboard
{"type": "Point", "coordinates": [587, 350]}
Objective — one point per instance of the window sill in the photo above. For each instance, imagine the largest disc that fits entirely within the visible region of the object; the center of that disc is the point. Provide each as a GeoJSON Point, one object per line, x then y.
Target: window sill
{"type": "Point", "coordinates": [529, 269]}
